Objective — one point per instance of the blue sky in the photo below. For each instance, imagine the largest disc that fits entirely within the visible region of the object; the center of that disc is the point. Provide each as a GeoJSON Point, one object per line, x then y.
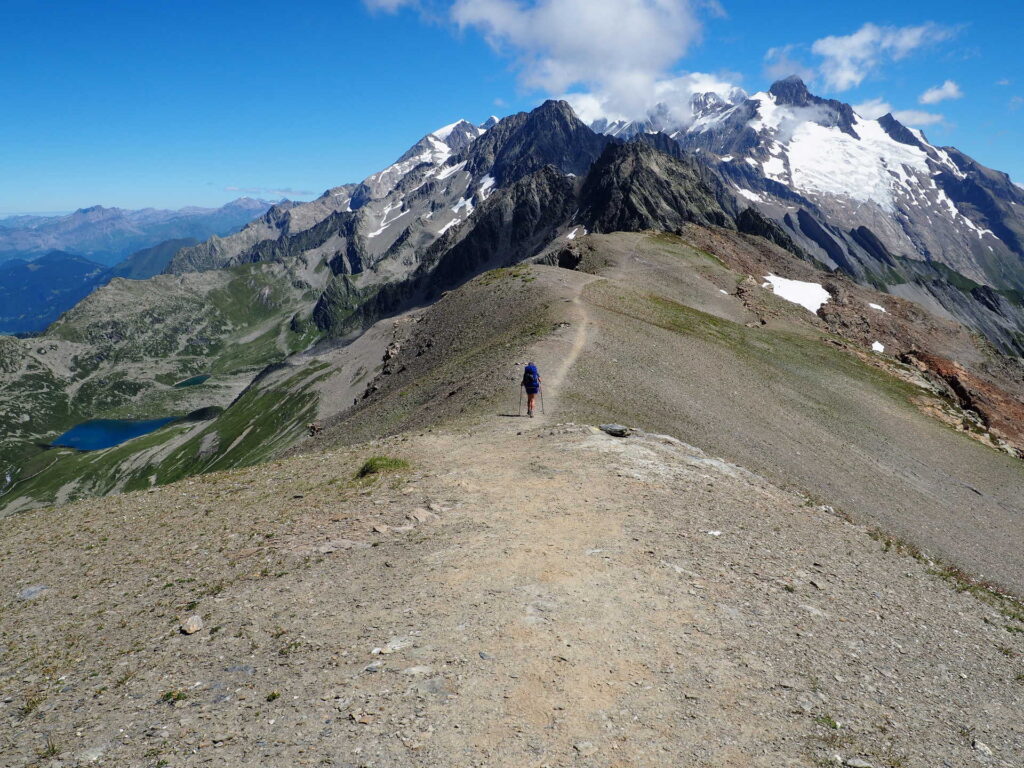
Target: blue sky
{"type": "Point", "coordinates": [166, 104]}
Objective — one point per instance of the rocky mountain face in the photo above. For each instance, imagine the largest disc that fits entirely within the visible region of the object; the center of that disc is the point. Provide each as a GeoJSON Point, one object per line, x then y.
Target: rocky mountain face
{"type": "Point", "coordinates": [872, 198]}
{"type": "Point", "coordinates": [108, 235]}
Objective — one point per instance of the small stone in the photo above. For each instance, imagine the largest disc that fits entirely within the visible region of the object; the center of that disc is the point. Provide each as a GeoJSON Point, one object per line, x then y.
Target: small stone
{"type": "Point", "coordinates": [191, 625]}
{"type": "Point", "coordinates": [856, 762]}
{"type": "Point", "coordinates": [982, 747]}
{"type": "Point", "coordinates": [616, 430]}
{"type": "Point", "coordinates": [380, 528]}
{"type": "Point", "coordinates": [421, 515]}
{"type": "Point", "coordinates": [376, 666]}
{"type": "Point", "coordinates": [31, 593]}
{"type": "Point", "coordinates": [585, 748]}
{"type": "Point", "coordinates": [417, 671]}
{"type": "Point", "coordinates": [486, 656]}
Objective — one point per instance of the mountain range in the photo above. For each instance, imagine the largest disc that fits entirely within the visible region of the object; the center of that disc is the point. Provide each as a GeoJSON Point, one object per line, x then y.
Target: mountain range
{"type": "Point", "coordinates": [780, 182]}
{"type": "Point", "coordinates": [49, 263]}
{"type": "Point", "coordinates": [109, 235]}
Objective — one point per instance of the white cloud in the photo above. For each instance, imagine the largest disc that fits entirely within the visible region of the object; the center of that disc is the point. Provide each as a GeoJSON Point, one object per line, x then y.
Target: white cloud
{"type": "Point", "coordinates": [780, 63]}
{"type": "Point", "coordinates": [671, 93]}
{"type": "Point", "coordinates": [849, 59]}
{"type": "Point", "coordinates": [1003, 81]}
{"type": "Point", "coordinates": [275, 191]}
{"type": "Point", "coordinates": [609, 58]}
{"type": "Point", "coordinates": [390, 6]}
{"type": "Point", "coordinates": [875, 108]}
{"type": "Point", "coordinates": [948, 90]}
{"type": "Point", "coordinates": [916, 118]}
{"type": "Point", "coordinates": [621, 44]}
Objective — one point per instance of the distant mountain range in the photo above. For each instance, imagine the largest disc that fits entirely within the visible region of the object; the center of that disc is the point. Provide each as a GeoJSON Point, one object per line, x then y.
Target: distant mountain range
{"type": "Point", "coordinates": [34, 293]}
{"type": "Point", "coordinates": [108, 235]}
{"type": "Point", "coordinates": [50, 263]}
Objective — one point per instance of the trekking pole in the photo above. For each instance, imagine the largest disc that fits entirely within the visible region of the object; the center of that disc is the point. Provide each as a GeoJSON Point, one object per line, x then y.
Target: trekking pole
{"type": "Point", "coordinates": [520, 411]}
{"type": "Point", "coordinates": [541, 391]}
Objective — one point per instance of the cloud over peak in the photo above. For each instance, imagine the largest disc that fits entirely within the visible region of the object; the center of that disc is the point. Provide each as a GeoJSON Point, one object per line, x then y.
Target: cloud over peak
{"type": "Point", "coordinates": [849, 59]}
{"type": "Point", "coordinates": [948, 90]}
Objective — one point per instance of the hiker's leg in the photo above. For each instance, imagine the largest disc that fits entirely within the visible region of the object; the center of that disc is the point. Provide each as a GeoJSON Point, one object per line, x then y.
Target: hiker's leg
{"type": "Point", "coordinates": [530, 400]}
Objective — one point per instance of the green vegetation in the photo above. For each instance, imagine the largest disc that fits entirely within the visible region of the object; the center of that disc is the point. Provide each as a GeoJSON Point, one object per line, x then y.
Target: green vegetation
{"type": "Point", "coordinates": [827, 721]}
{"type": "Point", "coordinates": [173, 696]}
{"type": "Point", "coordinates": [376, 465]}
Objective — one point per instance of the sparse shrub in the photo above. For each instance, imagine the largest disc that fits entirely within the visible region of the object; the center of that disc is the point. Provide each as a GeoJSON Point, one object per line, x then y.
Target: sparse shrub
{"type": "Point", "coordinates": [827, 721]}
{"type": "Point", "coordinates": [173, 696]}
{"type": "Point", "coordinates": [376, 465]}
{"type": "Point", "coordinates": [273, 695]}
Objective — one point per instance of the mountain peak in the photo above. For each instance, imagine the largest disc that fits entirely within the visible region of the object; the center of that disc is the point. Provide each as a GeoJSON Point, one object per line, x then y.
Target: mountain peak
{"type": "Point", "coordinates": [792, 91]}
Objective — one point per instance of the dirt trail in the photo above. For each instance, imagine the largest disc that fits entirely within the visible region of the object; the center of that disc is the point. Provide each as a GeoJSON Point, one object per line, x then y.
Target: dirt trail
{"type": "Point", "coordinates": [553, 385]}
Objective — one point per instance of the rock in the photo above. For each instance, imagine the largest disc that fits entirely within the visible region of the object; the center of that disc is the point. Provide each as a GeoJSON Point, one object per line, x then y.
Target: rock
{"type": "Point", "coordinates": [380, 528]}
{"type": "Point", "coordinates": [337, 544]}
{"type": "Point", "coordinates": [585, 748]}
{"type": "Point", "coordinates": [856, 762]}
{"type": "Point", "coordinates": [616, 430]}
{"type": "Point", "coordinates": [191, 625]}
{"type": "Point", "coordinates": [421, 515]}
{"type": "Point", "coordinates": [486, 656]}
{"type": "Point", "coordinates": [417, 671]}
{"type": "Point", "coordinates": [982, 747]}
{"type": "Point", "coordinates": [32, 592]}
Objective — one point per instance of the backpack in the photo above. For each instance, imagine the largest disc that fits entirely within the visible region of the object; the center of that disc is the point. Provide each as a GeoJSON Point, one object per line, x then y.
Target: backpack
{"type": "Point", "coordinates": [530, 376]}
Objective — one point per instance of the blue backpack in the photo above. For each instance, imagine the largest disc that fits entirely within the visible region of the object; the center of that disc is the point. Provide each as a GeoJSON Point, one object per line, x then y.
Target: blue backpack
{"type": "Point", "coordinates": [531, 378]}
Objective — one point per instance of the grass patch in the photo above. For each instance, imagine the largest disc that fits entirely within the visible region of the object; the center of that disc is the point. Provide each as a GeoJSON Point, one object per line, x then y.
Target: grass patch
{"type": "Point", "coordinates": [377, 465]}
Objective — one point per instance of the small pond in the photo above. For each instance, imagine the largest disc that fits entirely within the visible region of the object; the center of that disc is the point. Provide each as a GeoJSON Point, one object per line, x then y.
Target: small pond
{"type": "Point", "coordinates": [194, 381]}
{"type": "Point", "coordinates": [97, 434]}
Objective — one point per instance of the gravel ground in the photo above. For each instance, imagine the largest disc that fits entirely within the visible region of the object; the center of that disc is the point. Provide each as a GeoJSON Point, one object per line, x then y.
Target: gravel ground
{"type": "Point", "coordinates": [526, 594]}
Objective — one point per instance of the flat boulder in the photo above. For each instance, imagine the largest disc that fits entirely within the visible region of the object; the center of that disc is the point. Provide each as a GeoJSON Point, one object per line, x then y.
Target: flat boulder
{"type": "Point", "coordinates": [616, 430]}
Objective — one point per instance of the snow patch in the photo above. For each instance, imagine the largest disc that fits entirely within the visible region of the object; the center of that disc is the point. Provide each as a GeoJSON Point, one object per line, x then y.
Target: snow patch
{"type": "Point", "coordinates": [447, 172]}
{"type": "Point", "coordinates": [870, 169]}
{"type": "Point", "coordinates": [810, 296]}
{"type": "Point", "coordinates": [572, 235]}
{"type": "Point", "coordinates": [774, 168]}
{"type": "Point", "coordinates": [486, 185]}
{"type": "Point", "coordinates": [877, 346]}
{"type": "Point", "coordinates": [449, 225]}
{"type": "Point", "coordinates": [446, 131]}
{"type": "Point", "coordinates": [879, 307]}
{"type": "Point", "coordinates": [466, 203]}
{"type": "Point", "coordinates": [752, 196]}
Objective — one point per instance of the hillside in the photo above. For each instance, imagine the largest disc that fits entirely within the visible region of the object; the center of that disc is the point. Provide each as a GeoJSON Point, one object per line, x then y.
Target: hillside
{"type": "Point", "coordinates": [34, 293]}
{"type": "Point", "coordinates": [536, 592]}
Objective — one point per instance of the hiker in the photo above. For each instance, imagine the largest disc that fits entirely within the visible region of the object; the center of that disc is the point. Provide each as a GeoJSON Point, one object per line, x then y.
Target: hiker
{"type": "Point", "coordinates": [531, 382]}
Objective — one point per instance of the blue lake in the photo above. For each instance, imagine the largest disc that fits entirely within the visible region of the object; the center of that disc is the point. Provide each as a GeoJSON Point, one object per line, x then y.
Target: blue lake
{"type": "Point", "coordinates": [97, 434]}
{"type": "Point", "coordinates": [195, 380]}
